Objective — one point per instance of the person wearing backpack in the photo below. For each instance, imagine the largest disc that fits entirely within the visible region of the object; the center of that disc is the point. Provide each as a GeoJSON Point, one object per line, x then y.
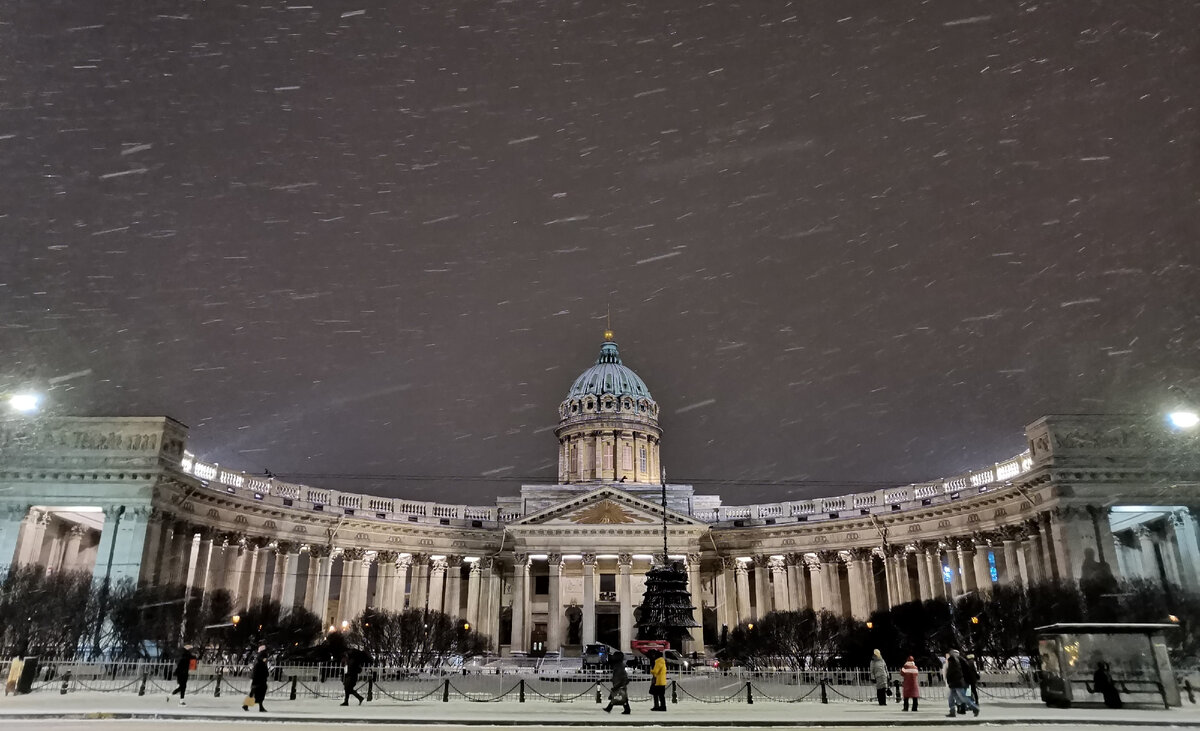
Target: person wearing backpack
{"type": "Point", "coordinates": [183, 666]}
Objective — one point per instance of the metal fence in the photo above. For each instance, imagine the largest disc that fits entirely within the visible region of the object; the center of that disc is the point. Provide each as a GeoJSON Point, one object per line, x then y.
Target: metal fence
{"type": "Point", "coordinates": [384, 684]}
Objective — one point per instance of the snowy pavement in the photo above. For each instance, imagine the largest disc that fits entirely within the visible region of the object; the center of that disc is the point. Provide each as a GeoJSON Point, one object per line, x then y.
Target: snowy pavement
{"type": "Point", "coordinates": [47, 707]}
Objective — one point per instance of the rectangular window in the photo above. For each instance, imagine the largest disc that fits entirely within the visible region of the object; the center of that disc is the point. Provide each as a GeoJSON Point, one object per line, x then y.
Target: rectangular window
{"type": "Point", "coordinates": [642, 460]}
{"type": "Point", "coordinates": [608, 582]}
{"type": "Point", "coordinates": [541, 585]}
{"type": "Point", "coordinates": [626, 457]}
{"type": "Point", "coordinates": [608, 456]}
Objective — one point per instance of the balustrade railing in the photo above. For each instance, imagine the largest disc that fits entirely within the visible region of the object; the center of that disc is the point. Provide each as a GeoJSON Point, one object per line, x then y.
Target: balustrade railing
{"type": "Point", "coordinates": [916, 495]}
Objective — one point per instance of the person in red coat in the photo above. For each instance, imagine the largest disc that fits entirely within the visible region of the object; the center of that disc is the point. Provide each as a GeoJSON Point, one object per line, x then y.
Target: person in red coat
{"type": "Point", "coordinates": [911, 689]}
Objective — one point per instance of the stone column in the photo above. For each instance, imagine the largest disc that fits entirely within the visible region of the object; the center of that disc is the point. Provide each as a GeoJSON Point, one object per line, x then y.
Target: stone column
{"type": "Point", "coordinates": [203, 562]}
{"type": "Point", "coordinates": [964, 579]}
{"type": "Point", "coordinates": [1183, 539]}
{"type": "Point", "coordinates": [956, 581]}
{"type": "Point", "coordinates": [1012, 564]}
{"type": "Point", "coordinates": [554, 607]}
{"type": "Point", "coordinates": [151, 552]}
{"type": "Point", "coordinates": [490, 599]}
{"type": "Point", "coordinates": [891, 580]}
{"type": "Point", "coordinates": [473, 579]}
{"type": "Point", "coordinates": [33, 532]}
{"type": "Point", "coordinates": [385, 581]}
{"type": "Point", "coordinates": [693, 569]}
{"type": "Point", "coordinates": [625, 592]}
{"type": "Point", "coordinates": [1145, 538]}
{"type": "Point", "coordinates": [437, 584]}
{"type": "Point", "coordinates": [983, 569]}
{"type": "Point", "coordinates": [278, 572]}
{"type": "Point", "coordinates": [520, 608]}
{"type": "Point", "coordinates": [589, 598]}
{"type": "Point", "coordinates": [727, 613]}
{"type": "Point", "coordinates": [743, 593]}
{"type": "Point", "coordinates": [453, 605]}
{"type": "Point", "coordinates": [71, 551]}
{"type": "Point", "coordinates": [291, 558]}
{"type": "Point", "coordinates": [352, 595]}
{"type": "Point", "coordinates": [833, 582]}
{"type": "Point", "coordinates": [235, 566]}
{"type": "Point", "coordinates": [797, 582]}
{"type": "Point", "coordinates": [924, 590]}
{"type": "Point", "coordinates": [859, 607]}
{"type": "Point", "coordinates": [420, 583]}
{"type": "Point", "coordinates": [404, 564]}
{"type": "Point", "coordinates": [816, 583]}
{"type": "Point", "coordinates": [762, 587]}
{"type": "Point", "coordinates": [1050, 571]}
{"type": "Point", "coordinates": [246, 595]}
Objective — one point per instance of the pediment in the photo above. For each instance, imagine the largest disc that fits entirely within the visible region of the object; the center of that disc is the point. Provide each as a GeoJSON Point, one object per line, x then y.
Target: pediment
{"type": "Point", "coordinates": [605, 506]}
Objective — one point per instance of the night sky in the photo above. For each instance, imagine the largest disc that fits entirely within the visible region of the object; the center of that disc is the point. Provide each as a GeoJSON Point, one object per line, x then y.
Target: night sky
{"type": "Point", "coordinates": [842, 242]}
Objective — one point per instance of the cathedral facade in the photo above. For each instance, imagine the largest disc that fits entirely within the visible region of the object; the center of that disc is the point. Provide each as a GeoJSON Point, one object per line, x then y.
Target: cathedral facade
{"type": "Point", "coordinates": [559, 566]}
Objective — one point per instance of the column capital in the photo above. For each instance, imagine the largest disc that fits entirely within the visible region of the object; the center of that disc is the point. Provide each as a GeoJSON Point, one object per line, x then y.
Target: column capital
{"type": "Point", "coordinates": [353, 554]}
{"type": "Point", "coordinates": [521, 560]}
{"type": "Point", "coordinates": [589, 559]}
{"type": "Point", "coordinates": [729, 563]}
{"type": "Point", "coordinates": [860, 554]}
{"type": "Point", "coordinates": [453, 560]}
{"type": "Point", "coordinates": [488, 563]}
{"type": "Point", "coordinates": [475, 567]}
{"type": "Point", "coordinates": [693, 559]}
{"type": "Point", "coordinates": [77, 531]}
{"type": "Point", "coordinates": [403, 562]}
{"type": "Point", "coordinates": [625, 560]}
{"type": "Point", "coordinates": [438, 565]}
{"type": "Point", "coordinates": [555, 559]}
{"type": "Point", "coordinates": [827, 556]}
{"type": "Point", "coordinates": [777, 565]}
{"type": "Point", "coordinates": [794, 559]}
{"type": "Point", "coordinates": [316, 550]}
{"type": "Point", "coordinates": [387, 557]}
{"type": "Point", "coordinates": [1143, 531]}
{"type": "Point", "coordinates": [283, 548]}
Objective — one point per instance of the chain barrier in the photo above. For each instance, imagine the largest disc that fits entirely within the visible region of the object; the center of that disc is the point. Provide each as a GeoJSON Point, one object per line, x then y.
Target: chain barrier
{"type": "Point", "coordinates": [741, 691]}
{"type": "Point", "coordinates": [833, 687]}
{"type": "Point", "coordinates": [759, 690]}
{"type": "Point", "coordinates": [85, 686]}
{"type": "Point", "coordinates": [436, 689]}
{"type": "Point", "coordinates": [561, 698]}
{"type": "Point", "coordinates": [472, 696]}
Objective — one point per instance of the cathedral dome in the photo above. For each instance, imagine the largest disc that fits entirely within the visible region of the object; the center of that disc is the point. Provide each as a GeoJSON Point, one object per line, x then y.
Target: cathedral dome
{"type": "Point", "coordinates": [609, 377]}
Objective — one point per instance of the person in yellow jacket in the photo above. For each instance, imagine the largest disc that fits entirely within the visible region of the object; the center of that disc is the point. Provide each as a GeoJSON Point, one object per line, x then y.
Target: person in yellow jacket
{"type": "Point", "coordinates": [658, 688]}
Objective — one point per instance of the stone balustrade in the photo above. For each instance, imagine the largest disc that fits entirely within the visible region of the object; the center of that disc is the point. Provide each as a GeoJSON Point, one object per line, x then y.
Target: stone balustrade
{"type": "Point", "coordinates": [890, 499]}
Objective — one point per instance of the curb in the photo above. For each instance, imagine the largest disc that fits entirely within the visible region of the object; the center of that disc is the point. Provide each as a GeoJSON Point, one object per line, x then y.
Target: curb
{"type": "Point", "coordinates": [660, 722]}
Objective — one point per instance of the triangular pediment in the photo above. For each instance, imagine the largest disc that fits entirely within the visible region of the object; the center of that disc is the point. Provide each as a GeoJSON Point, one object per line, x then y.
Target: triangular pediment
{"type": "Point", "coordinates": [602, 507]}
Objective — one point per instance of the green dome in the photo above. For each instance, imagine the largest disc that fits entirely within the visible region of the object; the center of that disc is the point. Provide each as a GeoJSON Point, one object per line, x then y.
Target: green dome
{"type": "Point", "coordinates": [609, 377]}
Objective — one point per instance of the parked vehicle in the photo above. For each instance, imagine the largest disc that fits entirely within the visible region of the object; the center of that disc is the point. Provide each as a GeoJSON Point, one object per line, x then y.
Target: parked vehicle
{"type": "Point", "coordinates": [595, 657]}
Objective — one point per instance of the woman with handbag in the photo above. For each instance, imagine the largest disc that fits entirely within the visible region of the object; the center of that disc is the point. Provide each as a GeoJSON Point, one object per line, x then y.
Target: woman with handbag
{"type": "Point", "coordinates": [618, 694]}
{"type": "Point", "coordinates": [658, 686]}
{"type": "Point", "coordinates": [879, 674]}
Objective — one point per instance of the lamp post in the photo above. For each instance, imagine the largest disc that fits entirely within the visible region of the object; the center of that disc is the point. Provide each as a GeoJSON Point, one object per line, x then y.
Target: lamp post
{"type": "Point", "coordinates": [24, 402]}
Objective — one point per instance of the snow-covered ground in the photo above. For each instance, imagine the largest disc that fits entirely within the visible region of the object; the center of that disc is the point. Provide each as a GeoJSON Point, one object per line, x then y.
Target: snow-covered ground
{"type": "Point", "coordinates": [46, 706]}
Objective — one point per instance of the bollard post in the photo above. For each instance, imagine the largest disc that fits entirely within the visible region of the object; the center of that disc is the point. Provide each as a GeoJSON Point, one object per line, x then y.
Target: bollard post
{"type": "Point", "coordinates": [598, 701]}
{"type": "Point", "coordinates": [749, 694]}
{"type": "Point", "coordinates": [521, 692]}
{"type": "Point", "coordinates": [674, 697]}
{"type": "Point", "coordinates": [65, 683]}
{"type": "Point", "coordinates": [446, 691]}
{"type": "Point", "coordinates": [292, 693]}
{"type": "Point", "coordinates": [142, 687]}
{"type": "Point", "coordinates": [896, 685]}
{"type": "Point", "coordinates": [824, 694]}
{"type": "Point", "coordinates": [217, 690]}
{"type": "Point", "coordinates": [371, 687]}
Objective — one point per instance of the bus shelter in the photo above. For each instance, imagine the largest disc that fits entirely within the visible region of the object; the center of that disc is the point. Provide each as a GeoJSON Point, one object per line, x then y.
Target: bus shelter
{"type": "Point", "coordinates": [1134, 656]}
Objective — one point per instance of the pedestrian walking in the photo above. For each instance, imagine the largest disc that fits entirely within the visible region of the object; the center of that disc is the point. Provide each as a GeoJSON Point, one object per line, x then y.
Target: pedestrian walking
{"type": "Point", "coordinates": [971, 676]}
{"type": "Point", "coordinates": [911, 686]}
{"type": "Point", "coordinates": [658, 686]}
{"type": "Point", "coordinates": [618, 692]}
{"type": "Point", "coordinates": [956, 685]}
{"type": "Point", "coordinates": [879, 674]}
{"type": "Point", "coordinates": [183, 667]}
{"type": "Point", "coordinates": [350, 679]}
{"type": "Point", "coordinates": [258, 682]}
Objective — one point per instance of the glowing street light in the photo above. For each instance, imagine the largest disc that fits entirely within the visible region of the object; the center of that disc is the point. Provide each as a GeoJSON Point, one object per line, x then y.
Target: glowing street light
{"type": "Point", "coordinates": [1183, 414]}
{"type": "Point", "coordinates": [25, 402]}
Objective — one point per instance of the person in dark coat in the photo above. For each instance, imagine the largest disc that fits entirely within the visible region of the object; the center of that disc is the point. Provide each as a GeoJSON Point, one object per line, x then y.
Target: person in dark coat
{"type": "Point", "coordinates": [350, 679]}
{"type": "Point", "coordinates": [618, 694]}
{"type": "Point", "coordinates": [971, 676]}
{"type": "Point", "coordinates": [258, 680]}
{"type": "Point", "coordinates": [1103, 684]}
{"type": "Point", "coordinates": [183, 667]}
{"type": "Point", "coordinates": [880, 676]}
{"type": "Point", "coordinates": [956, 685]}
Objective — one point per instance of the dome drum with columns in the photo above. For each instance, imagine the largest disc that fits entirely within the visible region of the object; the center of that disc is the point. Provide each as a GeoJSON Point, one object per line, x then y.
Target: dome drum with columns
{"type": "Point", "coordinates": [559, 566]}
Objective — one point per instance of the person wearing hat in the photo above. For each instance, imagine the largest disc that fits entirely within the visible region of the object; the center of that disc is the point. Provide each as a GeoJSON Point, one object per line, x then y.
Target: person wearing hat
{"type": "Point", "coordinates": [183, 666]}
{"type": "Point", "coordinates": [880, 676]}
{"type": "Point", "coordinates": [911, 687]}
{"type": "Point", "coordinates": [618, 693]}
{"type": "Point", "coordinates": [258, 681]}
{"type": "Point", "coordinates": [956, 685]}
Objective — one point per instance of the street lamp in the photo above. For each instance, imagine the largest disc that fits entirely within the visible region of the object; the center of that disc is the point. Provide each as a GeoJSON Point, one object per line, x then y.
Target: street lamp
{"type": "Point", "coordinates": [1183, 413]}
{"type": "Point", "coordinates": [25, 402]}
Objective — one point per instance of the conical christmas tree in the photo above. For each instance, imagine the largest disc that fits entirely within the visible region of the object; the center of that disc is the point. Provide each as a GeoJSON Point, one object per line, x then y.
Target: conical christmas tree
{"type": "Point", "coordinates": [666, 612]}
